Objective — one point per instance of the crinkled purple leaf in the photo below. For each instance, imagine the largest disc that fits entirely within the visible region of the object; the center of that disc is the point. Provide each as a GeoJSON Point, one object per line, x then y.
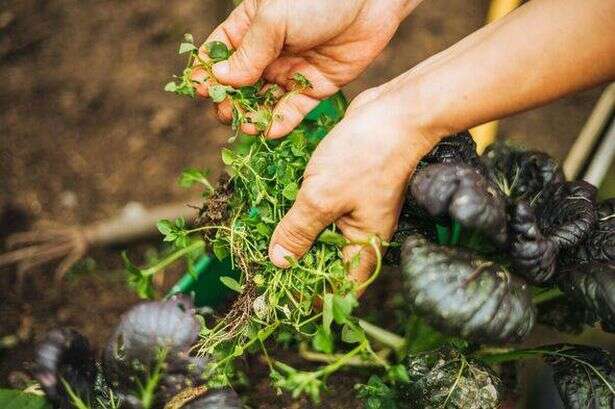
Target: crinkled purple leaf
{"type": "Point", "coordinates": [66, 355]}
{"type": "Point", "coordinates": [461, 192]}
{"type": "Point", "coordinates": [462, 294]}
{"type": "Point", "coordinates": [593, 285]}
{"type": "Point", "coordinates": [533, 255]}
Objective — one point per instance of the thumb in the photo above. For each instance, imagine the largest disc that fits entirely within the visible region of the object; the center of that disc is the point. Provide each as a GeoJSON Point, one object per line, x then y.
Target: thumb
{"type": "Point", "coordinates": [260, 46]}
{"type": "Point", "coordinates": [296, 232]}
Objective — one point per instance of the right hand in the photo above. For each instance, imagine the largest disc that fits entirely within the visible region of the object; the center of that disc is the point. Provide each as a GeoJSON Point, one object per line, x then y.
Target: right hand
{"type": "Point", "coordinates": [330, 42]}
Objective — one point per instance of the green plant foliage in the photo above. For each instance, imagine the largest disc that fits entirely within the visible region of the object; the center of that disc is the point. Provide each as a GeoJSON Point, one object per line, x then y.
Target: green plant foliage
{"type": "Point", "coordinates": [16, 399]}
{"type": "Point", "coordinates": [376, 394]}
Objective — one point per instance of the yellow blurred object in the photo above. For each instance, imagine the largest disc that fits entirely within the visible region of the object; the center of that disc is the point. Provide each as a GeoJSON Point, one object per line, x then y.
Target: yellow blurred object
{"type": "Point", "coordinates": [485, 134]}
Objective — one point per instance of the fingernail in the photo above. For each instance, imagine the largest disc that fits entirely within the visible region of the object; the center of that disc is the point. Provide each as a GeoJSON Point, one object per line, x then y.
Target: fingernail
{"type": "Point", "coordinates": [198, 76]}
{"type": "Point", "coordinates": [277, 127]}
{"type": "Point", "coordinates": [222, 68]}
{"type": "Point", "coordinates": [279, 256]}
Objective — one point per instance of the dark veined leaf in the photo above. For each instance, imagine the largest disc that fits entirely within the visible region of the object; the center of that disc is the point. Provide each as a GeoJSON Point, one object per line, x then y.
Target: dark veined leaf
{"type": "Point", "coordinates": [520, 174]}
{"type": "Point", "coordinates": [600, 245]}
{"type": "Point", "coordinates": [16, 399]}
{"type": "Point", "coordinates": [65, 355]}
{"type": "Point", "coordinates": [533, 255]}
{"type": "Point", "coordinates": [593, 285]}
{"type": "Point", "coordinates": [462, 294]}
{"type": "Point", "coordinates": [152, 334]}
{"type": "Point", "coordinates": [568, 214]}
{"type": "Point", "coordinates": [463, 193]}
{"type": "Point", "coordinates": [540, 233]}
{"type": "Point", "coordinates": [565, 315]}
{"type": "Point", "coordinates": [447, 379]}
{"type": "Point", "coordinates": [585, 376]}
{"type": "Point", "coordinates": [458, 148]}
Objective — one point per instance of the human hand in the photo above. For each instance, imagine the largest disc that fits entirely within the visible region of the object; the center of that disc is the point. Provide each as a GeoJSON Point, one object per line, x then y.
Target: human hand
{"type": "Point", "coordinates": [329, 42]}
{"type": "Point", "coordinates": [356, 178]}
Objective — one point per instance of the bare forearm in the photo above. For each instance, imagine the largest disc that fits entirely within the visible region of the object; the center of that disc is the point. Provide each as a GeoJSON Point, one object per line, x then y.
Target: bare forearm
{"type": "Point", "coordinates": [542, 51]}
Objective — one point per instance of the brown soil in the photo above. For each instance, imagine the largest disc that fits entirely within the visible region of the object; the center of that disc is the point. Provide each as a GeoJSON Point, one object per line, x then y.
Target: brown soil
{"type": "Point", "coordinates": [85, 128]}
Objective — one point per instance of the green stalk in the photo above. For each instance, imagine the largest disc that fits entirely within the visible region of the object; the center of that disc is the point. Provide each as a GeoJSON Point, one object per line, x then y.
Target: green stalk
{"type": "Point", "coordinates": [173, 257]}
{"type": "Point", "coordinates": [547, 295]}
{"type": "Point", "coordinates": [383, 336]}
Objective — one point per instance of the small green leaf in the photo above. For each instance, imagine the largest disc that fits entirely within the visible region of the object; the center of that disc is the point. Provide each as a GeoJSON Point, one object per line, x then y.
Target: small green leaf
{"type": "Point", "coordinates": [330, 237]}
{"type": "Point", "coordinates": [170, 87]}
{"type": "Point", "coordinates": [220, 250]}
{"type": "Point", "coordinates": [231, 283]}
{"type": "Point", "coordinates": [263, 229]}
{"type": "Point", "coordinates": [290, 191]}
{"type": "Point", "coordinates": [218, 92]}
{"type": "Point", "coordinates": [352, 334]}
{"type": "Point", "coordinates": [301, 82]}
{"type": "Point", "coordinates": [16, 399]}
{"type": "Point", "coordinates": [217, 51]}
{"type": "Point", "coordinates": [323, 341]}
{"type": "Point", "coordinates": [342, 307]}
{"type": "Point", "coordinates": [261, 118]}
{"type": "Point", "coordinates": [191, 176]}
{"type": "Point", "coordinates": [188, 38]}
{"type": "Point", "coordinates": [398, 373]}
{"type": "Point", "coordinates": [165, 226]}
{"type": "Point", "coordinates": [186, 48]}
{"type": "Point", "coordinates": [228, 156]}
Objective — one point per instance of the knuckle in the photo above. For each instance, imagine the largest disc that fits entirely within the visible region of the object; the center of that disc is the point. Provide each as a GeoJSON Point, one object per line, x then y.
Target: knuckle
{"type": "Point", "coordinates": [242, 62]}
{"type": "Point", "coordinates": [294, 237]}
{"type": "Point", "coordinates": [315, 203]}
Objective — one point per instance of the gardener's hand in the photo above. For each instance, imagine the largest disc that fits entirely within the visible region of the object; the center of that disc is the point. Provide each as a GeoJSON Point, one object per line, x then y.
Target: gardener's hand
{"type": "Point", "coordinates": [356, 179]}
{"type": "Point", "coordinates": [329, 42]}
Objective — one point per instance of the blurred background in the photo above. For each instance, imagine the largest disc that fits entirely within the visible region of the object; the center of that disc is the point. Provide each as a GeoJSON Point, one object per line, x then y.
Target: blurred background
{"type": "Point", "coordinates": [86, 133]}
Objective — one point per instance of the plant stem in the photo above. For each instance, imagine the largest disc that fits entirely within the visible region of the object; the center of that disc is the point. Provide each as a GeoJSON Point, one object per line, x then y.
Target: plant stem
{"type": "Point", "coordinates": [173, 257]}
{"type": "Point", "coordinates": [547, 295]}
{"type": "Point", "coordinates": [330, 358]}
{"type": "Point", "coordinates": [383, 336]}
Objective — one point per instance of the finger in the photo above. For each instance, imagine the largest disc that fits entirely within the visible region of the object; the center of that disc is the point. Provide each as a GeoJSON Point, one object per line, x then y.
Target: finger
{"type": "Point", "coordinates": [230, 32]}
{"type": "Point", "coordinates": [233, 29]}
{"type": "Point", "coordinates": [284, 68]}
{"type": "Point", "coordinates": [200, 80]}
{"type": "Point", "coordinates": [224, 111]}
{"type": "Point", "coordinates": [297, 231]}
{"type": "Point", "coordinates": [361, 258]}
{"type": "Point", "coordinates": [260, 45]}
{"type": "Point", "coordinates": [289, 113]}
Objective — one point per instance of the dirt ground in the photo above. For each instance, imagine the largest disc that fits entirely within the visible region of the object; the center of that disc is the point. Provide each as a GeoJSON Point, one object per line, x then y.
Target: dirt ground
{"type": "Point", "coordinates": [85, 128]}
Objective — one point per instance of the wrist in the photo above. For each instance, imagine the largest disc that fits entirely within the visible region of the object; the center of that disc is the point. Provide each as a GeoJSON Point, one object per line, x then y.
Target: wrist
{"type": "Point", "coordinates": [409, 107]}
